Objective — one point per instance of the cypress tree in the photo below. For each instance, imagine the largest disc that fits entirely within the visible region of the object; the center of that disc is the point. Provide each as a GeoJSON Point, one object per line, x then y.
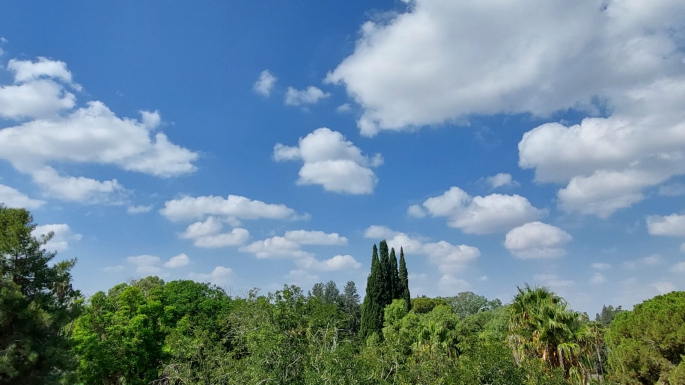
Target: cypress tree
{"type": "Point", "coordinates": [395, 281]}
{"type": "Point", "coordinates": [372, 308]}
{"type": "Point", "coordinates": [404, 281]}
{"type": "Point", "coordinates": [386, 275]}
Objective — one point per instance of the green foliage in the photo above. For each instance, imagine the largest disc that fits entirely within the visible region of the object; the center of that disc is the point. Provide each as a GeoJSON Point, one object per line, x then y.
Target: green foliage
{"type": "Point", "coordinates": [607, 315]}
{"type": "Point", "coordinates": [395, 286]}
{"type": "Point", "coordinates": [372, 308]}
{"type": "Point", "coordinates": [385, 283]}
{"type": "Point", "coordinates": [37, 305]}
{"type": "Point", "coordinates": [647, 344]}
{"type": "Point", "coordinates": [468, 303]}
{"type": "Point", "coordinates": [403, 276]}
{"type": "Point", "coordinates": [423, 305]}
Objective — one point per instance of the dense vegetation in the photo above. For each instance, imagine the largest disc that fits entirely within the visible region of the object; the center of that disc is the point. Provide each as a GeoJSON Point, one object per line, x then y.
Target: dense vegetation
{"type": "Point", "coordinates": [182, 332]}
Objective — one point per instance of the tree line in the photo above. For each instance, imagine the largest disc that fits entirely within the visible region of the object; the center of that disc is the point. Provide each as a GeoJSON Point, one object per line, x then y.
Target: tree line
{"type": "Point", "coordinates": [149, 331]}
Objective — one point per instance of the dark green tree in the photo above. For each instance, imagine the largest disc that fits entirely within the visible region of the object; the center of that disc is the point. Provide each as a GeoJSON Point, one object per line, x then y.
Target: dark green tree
{"type": "Point", "coordinates": [331, 294]}
{"type": "Point", "coordinates": [372, 308]}
{"type": "Point", "coordinates": [317, 290]}
{"type": "Point", "coordinates": [404, 281]}
{"type": "Point", "coordinates": [37, 303]}
{"type": "Point", "coordinates": [607, 315]}
{"type": "Point", "coordinates": [386, 274]}
{"type": "Point", "coordinates": [395, 275]}
{"type": "Point", "coordinates": [350, 306]}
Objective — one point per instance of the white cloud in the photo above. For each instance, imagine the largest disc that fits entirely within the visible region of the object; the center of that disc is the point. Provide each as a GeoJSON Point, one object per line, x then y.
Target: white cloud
{"type": "Point", "coordinates": [265, 83]}
{"type": "Point", "coordinates": [416, 211]}
{"type": "Point", "coordinates": [234, 206]}
{"type": "Point", "coordinates": [208, 234]}
{"type": "Point", "coordinates": [219, 276]}
{"type": "Point", "coordinates": [597, 278]}
{"type": "Point", "coordinates": [553, 280]}
{"type": "Point", "coordinates": [62, 234]}
{"type": "Point", "coordinates": [664, 287]}
{"type": "Point", "coordinates": [331, 161]}
{"type": "Point", "coordinates": [177, 261]}
{"type": "Point", "coordinates": [91, 134]}
{"type": "Point", "coordinates": [146, 264]}
{"type": "Point", "coordinates": [482, 215]}
{"type": "Point", "coordinates": [310, 95]}
{"type": "Point", "coordinates": [672, 190]}
{"type": "Point", "coordinates": [336, 263]}
{"type": "Point", "coordinates": [344, 108]}
{"type": "Point", "coordinates": [138, 209]}
{"type": "Point", "coordinates": [501, 180]}
{"type": "Point", "coordinates": [304, 237]}
{"type": "Point", "coordinates": [651, 260]}
{"type": "Point", "coordinates": [537, 240]}
{"type": "Point", "coordinates": [114, 269]}
{"type": "Point", "coordinates": [451, 285]}
{"type": "Point", "coordinates": [13, 198]}
{"type": "Point", "coordinates": [670, 225]}
{"type": "Point", "coordinates": [678, 267]}
{"type": "Point", "coordinates": [601, 266]}
{"type": "Point", "coordinates": [448, 257]}
{"type": "Point", "coordinates": [276, 247]}
{"type": "Point", "coordinates": [442, 60]}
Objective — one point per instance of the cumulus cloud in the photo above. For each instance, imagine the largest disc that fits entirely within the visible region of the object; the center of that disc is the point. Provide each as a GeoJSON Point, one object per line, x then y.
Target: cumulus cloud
{"type": "Point", "coordinates": [501, 180]}
{"type": "Point", "coordinates": [332, 162]}
{"type": "Point", "coordinates": [233, 206]}
{"type": "Point", "coordinates": [177, 261]}
{"type": "Point", "coordinates": [138, 209]}
{"type": "Point", "coordinates": [451, 285]}
{"type": "Point", "coordinates": [338, 262]}
{"type": "Point", "coordinates": [219, 276]}
{"type": "Point", "coordinates": [304, 237]}
{"type": "Point", "coordinates": [62, 234]}
{"type": "Point", "coordinates": [448, 257]}
{"type": "Point", "coordinates": [481, 214]}
{"type": "Point", "coordinates": [146, 264]}
{"type": "Point", "coordinates": [440, 61]}
{"type": "Point", "coordinates": [670, 225]}
{"type": "Point", "coordinates": [208, 234]}
{"type": "Point", "coordinates": [664, 287]}
{"type": "Point", "coordinates": [597, 278]}
{"type": "Point", "coordinates": [92, 134]}
{"type": "Point", "coordinates": [290, 245]}
{"type": "Point", "coordinates": [537, 240]}
{"type": "Point", "coordinates": [11, 197]}
{"type": "Point", "coordinates": [310, 95]}
{"type": "Point", "coordinates": [265, 83]}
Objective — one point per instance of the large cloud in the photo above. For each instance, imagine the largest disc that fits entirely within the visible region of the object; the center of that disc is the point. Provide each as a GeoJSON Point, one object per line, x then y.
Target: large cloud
{"type": "Point", "coordinates": [208, 234]}
{"type": "Point", "coordinates": [232, 207]}
{"type": "Point", "coordinates": [12, 198]}
{"type": "Point", "coordinates": [479, 215]}
{"type": "Point", "coordinates": [62, 234]}
{"type": "Point", "coordinates": [331, 161]}
{"type": "Point", "coordinates": [537, 240]}
{"type": "Point", "coordinates": [448, 257]}
{"type": "Point", "coordinates": [55, 133]}
{"type": "Point", "coordinates": [670, 225]}
{"type": "Point", "coordinates": [444, 60]}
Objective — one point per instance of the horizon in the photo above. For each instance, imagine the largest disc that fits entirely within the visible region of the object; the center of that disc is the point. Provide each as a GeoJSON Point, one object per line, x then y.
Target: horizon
{"type": "Point", "coordinates": [252, 145]}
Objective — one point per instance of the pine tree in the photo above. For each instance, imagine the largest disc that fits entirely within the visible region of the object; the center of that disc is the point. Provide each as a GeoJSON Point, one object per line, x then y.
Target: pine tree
{"type": "Point", "coordinates": [395, 281]}
{"type": "Point", "coordinates": [372, 308]}
{"type": "Point", "coordinates": [404, 281]}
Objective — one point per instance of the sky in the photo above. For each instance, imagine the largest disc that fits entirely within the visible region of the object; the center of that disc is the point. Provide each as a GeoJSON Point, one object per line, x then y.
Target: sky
{"type": "Point", "coordinates": [255, 144]}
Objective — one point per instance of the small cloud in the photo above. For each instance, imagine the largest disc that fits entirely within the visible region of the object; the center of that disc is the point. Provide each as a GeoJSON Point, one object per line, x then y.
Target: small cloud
{"type": "Point", "coordinates": [651, 260]}
{"type": "Point", "coordinates": [145, 264]}
{"type": "Point", "coordinates": [310, 95]}
{"type": "Point", "coordinates": [345, 108]}
{"type": "Point", "coordinates": [678, 267]}
{"type": "Point", "coordinates": [264, 84]}
{"type": "Point", "coordinates": [601, 266]}
{"type": "Point", "coordinates": [416, 211]}
{"type": "Point", "coordinates": [537, 240]}
{"type": "Point", "coordinates": [219, 276]}
{"type": "Point", "coordinates": [501, 180]}
{"type": "Point", "coordinates": [62, 234]}
{"type": "Point", "coordinates": [138, 209]}
{"type": "Point", "coordinates": [483, 278]}
{"type": "Point", "coordinates": [177, 261]}
{"type": "Point", "coordinates": [664, 286]}
{"type": "Point", "coordinates": [114, 269]}
{"type": "Point", "coordinates": [553, 280]}
{"type": "Point", "coordinates": [597, 278]}
{"type": "Point", "coordinates": [672, 190]}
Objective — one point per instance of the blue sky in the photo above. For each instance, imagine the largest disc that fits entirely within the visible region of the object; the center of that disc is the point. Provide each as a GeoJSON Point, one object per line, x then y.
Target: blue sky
{"type": "Point", "coordinates": [255, 144]}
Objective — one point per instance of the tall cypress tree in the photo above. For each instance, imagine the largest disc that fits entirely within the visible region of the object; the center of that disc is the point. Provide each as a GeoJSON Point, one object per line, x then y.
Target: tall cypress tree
{"type": "Point", "coordinates": [372, 308]}
{"type": "Point", "coordinates": [404, 281]}
{"type": "Point", "coordinates": [386, 275]}
{"type": "Point", "coordinates": [395, 281]}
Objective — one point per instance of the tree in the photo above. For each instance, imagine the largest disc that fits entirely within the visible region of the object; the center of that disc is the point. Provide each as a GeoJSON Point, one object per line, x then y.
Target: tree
{"type": "Point", "coordinates": [646, 345]}
{"type": "Point", "coordinates": [350, 306]}
{"type": "Point", "coordinates": [607, 315]}
{"type": "Point", "coordinates": [386, 274]}
{"type": "Point", "coordinates": [372, 308]}
{"type": "Point", "coordinates": [403, 276]}
{"type": "Point", "coordinates": [331, 294]}
{"type": "Point", "coordinates": [317, 290]}
{"type": "Point", "coordinates": [37, 304]}
{"type": "Point", "coordinates": [468, 303]}
{"type": "Point", "coordinates": [395, 277]}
